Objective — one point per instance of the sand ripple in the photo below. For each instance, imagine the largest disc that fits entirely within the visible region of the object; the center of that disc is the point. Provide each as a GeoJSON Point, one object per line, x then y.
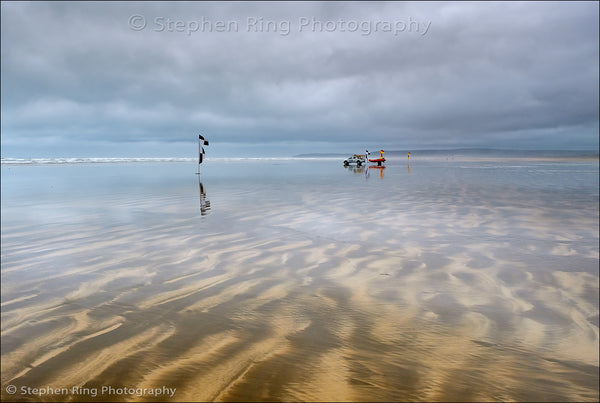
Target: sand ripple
{"type": "Point", "coordinates": [463, 297]}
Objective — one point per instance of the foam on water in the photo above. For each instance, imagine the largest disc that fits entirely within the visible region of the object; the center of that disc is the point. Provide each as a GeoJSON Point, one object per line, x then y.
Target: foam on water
{"type": "Point", "coordinates": [121, 160]}
{"type": "Point", "coordinates": [90, 160]}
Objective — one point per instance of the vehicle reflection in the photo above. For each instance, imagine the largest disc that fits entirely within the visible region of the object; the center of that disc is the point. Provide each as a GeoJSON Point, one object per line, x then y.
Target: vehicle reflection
{"type": "Point", "coordinates": [369, 169]}
{"type": "Point", "coordinates": [355, 169]}
{"type": "Point", "coordinates": [381, 170]}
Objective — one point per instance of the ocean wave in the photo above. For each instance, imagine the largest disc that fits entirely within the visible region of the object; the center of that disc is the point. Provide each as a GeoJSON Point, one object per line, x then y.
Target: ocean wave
{"type": "Point", "coordinates": [43, 161]}
{"type": "Point", "coordinates": [120, 160]}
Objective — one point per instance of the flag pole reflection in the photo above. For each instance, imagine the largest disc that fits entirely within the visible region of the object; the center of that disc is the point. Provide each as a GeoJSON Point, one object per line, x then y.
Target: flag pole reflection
{"type": "Point", "coordinates": [204, 202]}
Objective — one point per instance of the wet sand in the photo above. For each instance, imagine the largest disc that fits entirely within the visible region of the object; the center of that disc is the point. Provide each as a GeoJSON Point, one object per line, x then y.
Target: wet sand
{"type": "Point", "coordinates": [434, 283]}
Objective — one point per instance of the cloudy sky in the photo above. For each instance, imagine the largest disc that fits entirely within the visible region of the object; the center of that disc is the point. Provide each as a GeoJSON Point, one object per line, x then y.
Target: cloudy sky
{"type": "Point", "coordinates": [276, 78]}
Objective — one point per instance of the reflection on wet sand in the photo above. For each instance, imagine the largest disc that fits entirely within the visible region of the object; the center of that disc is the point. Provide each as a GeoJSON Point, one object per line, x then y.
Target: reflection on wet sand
{"type": "Point", "coordinates": [204, 202]}
{"type": "Point", "coordinates": [310, 304]}
{"type": "Point", "coordinates": [367, 170]}
{"type": "Point", "coordinates": [355, 169]}
{"type": "Point", "coordinates": [381, 170]}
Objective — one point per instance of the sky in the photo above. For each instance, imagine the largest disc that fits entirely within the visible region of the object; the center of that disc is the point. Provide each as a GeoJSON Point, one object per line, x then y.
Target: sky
{"type": "Point", "coordinates": [143, 79]}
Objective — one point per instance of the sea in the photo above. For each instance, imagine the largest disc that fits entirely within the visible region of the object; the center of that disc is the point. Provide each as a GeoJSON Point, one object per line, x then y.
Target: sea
{"type": "Point", "coordinates": [446, 276]}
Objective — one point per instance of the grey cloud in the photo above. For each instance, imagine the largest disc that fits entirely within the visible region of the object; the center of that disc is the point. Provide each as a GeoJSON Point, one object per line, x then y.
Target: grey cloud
{"type": "Point", "coordinates": [482, 75]}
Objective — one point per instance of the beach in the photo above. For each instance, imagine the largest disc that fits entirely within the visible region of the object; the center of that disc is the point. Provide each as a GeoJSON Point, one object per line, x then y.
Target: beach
{"type": "Point", "coordinates": [299, 279]}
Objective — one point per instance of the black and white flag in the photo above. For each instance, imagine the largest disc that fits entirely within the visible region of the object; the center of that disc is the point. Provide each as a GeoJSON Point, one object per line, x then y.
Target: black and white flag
{"type": "Point", "coordinates": [201, 141]}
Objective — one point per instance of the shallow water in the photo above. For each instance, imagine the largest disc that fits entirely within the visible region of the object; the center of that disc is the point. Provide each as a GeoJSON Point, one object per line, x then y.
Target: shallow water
{"type": "Point", "coordinates": [299, 279]}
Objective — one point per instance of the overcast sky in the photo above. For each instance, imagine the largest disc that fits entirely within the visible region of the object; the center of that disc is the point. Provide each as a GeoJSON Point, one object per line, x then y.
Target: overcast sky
{"type": "Point", "coordinates": [268, 78]}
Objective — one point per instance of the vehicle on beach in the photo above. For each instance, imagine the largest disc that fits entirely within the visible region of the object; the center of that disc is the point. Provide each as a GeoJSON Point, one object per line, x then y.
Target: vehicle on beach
{"type": "Point", "coordinates": [357, 159]}
{"type": "Point", "coordinates": [360, 159]}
